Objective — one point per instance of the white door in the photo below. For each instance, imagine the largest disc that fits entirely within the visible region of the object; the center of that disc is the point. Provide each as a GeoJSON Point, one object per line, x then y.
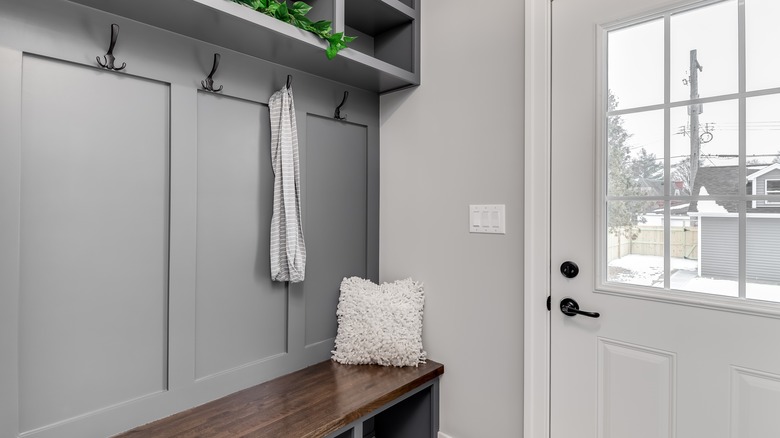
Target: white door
{"type": "Point", "coordinates": [665, 139]}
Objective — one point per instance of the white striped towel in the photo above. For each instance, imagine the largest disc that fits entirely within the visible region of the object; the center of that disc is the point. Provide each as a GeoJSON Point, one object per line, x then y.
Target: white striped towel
{"type": "Point", "coordinates": [288, 252]}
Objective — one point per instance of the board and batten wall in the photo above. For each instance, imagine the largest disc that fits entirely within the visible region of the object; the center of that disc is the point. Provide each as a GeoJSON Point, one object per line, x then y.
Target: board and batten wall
{"type": "Point", "coordinates": [458, 140]}
{"type": "Point", "coordinates": [135, 217]}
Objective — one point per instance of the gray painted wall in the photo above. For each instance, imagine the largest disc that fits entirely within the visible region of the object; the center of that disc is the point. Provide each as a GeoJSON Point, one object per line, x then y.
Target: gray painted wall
{"type": "Point", "coordinates": [134, 221]}
{"type": "Point", "coordinates": [336, 240]}
{"type": "Point", "coordinates": [94, 241]}
{"type": "Point", "coordinates": [240, 313]}
{"type": "Point", "coordinates": [454, 141]}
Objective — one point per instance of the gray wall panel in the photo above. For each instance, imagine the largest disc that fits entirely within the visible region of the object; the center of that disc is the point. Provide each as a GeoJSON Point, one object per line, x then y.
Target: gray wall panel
{"type": "Point", "coordinates": [336, 233]}
{"type": "Point", "coordinates": [94, 241]}
{"type": "Point", "coordinates": [183, 236]}
{"type": "Point", "coordinates": [67, 32]}
{"type": "Point", "coordinates": [241, 314]}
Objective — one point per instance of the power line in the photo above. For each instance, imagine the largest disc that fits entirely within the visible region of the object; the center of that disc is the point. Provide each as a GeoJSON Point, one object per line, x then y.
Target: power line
{"type": "Point", "coordinates": [720, 156]}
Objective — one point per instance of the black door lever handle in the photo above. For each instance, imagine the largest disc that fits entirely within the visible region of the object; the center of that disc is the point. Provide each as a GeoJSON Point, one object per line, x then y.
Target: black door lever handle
{"type": "Point", "coordinates": [569, 307]}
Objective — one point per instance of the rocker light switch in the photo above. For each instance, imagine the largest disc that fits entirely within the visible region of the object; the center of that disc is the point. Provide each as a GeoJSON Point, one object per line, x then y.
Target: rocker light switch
{"type": "Point", "coordinates": [490, 219]}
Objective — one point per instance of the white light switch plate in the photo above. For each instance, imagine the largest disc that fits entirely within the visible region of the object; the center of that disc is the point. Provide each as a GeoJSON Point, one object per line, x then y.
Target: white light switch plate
{"type": "Point", "coordinates": [489, 219]}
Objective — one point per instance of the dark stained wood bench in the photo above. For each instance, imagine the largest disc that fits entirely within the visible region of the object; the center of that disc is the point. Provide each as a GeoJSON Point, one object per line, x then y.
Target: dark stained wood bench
{"type": "Point", "coordinates": [324, 400]}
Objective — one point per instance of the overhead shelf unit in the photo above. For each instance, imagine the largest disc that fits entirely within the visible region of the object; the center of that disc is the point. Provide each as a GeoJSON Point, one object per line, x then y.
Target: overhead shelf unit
{"type": "Point", "coordinates": [384, 58]}
{"type": "Point", "coordinates": [385, 29]}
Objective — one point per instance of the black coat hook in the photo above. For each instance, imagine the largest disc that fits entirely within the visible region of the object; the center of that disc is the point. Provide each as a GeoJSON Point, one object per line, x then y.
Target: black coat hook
{"type": "Point", "coordinates": [289, 81]}
{"type": "Point", "coordinates": [108, 59]}
{"type": "Point", "coordinates": [208, 83]}
{"type": "Point", "coordinates": [337, 114]}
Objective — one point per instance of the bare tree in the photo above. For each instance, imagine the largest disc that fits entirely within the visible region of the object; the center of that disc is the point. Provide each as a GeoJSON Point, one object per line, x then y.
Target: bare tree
{"type": "Point", "coordinates": [682, 172]}
{"type": "Point", "coordinates": [623, 217]}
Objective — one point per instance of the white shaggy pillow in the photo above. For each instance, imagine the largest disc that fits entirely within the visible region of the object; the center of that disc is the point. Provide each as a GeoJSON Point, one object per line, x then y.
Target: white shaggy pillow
{"type": "Point", "coordinates": [380, 324]}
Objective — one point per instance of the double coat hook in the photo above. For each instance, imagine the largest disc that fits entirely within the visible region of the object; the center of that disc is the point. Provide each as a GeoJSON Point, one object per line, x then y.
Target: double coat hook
{"type": "Point", "coordinates": [337, 114]}
{"type": "Point", "coordinates": [208, 83]}
{"type": "Point", "coordinates": [108, 59]}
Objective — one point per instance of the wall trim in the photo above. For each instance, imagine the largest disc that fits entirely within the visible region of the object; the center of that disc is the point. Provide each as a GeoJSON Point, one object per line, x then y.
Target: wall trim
{"type": "Point", "coordinates": [536, 363]}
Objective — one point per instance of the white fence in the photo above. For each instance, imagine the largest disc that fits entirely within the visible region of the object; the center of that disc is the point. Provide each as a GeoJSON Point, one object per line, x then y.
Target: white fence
{"type": "Point", "coordinates": [650, 241]}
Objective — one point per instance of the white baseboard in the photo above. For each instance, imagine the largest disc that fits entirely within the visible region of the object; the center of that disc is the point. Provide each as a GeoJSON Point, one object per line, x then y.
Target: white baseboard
{"type": "Point", "coordinates": [444, 435]}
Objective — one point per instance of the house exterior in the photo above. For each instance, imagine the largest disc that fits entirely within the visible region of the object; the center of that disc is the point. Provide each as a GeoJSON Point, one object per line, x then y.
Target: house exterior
{"type": "Point", "coordinates": [718, 223]}
{"type": "Point", "coordinates": [765, 182]}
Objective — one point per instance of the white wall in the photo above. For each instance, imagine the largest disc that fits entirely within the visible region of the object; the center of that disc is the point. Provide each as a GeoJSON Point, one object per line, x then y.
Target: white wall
{"type": "Point", "coordinates": [458, 140]}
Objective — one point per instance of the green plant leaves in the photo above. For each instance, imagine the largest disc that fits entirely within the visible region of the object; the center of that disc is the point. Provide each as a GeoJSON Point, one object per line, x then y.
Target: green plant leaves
{"type": "Point", "coordinates": [300, 9]}
{"type": "Point", "coordinates": [324, 28]}
{"type": "Point", "coordinates": [336, 43]}
{"type": "Point", "coordinates": [273, 6]}
{"type": "Point", "coordinates": [296, 15]}
{"type": "Point", "coordinates": [258, 5]}
{"type": "Point", "coordinates": [281, 13]}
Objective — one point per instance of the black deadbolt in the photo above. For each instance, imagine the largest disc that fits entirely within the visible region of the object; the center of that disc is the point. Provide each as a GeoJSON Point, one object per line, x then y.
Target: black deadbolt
{"type": "Point", "coordinates": [569, 269]}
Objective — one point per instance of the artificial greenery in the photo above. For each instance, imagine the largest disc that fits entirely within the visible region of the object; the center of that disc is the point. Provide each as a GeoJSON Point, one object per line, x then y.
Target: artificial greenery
{"type": "Point", "coordinates": [296, 15]}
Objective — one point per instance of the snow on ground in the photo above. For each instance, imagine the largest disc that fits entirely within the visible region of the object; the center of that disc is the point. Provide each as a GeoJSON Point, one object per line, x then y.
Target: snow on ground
{"type": "Point", "coordinates": [646, 270]}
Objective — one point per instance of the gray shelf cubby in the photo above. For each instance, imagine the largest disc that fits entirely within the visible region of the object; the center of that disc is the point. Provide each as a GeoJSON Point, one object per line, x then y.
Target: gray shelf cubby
{"type": "Point", "coordinates": [387, 30]}
{"type": "Point", "coordinates": [413, 415]}
{"type": "Point", "coordinates": [320, 9]}
{"type": "Point", "coordinates": [385, 57]}
{"type": "Point", "coordinates": [411, 418]}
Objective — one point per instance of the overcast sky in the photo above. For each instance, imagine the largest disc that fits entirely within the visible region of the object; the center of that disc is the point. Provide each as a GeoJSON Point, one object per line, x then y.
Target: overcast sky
{"type": "Point", "coordinates": [636, 77]}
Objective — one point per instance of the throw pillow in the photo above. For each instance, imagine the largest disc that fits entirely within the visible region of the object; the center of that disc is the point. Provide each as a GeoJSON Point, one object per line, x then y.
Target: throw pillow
{"type": "Point", "coordinates": [380, 324]}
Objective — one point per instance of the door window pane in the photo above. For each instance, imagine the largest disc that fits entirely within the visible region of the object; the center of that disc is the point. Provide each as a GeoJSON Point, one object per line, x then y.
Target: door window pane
{"type": "Point", "coordinates": [710, 132]}
{"type": "Point", "coordinates": [636, 154]}
{"type": "Point", "coordinates": [636, 64]}
{"type": "Point", "coordinates": [763, 135]}
{"type": "Point", "coordinates": [762, 40]}
{"type": "Point", "coordinates": [635, 243]}
{"type": "Point", "coordinates": [700, 202]}
{"type": "Point", "coordinates": [714, 269]}
{"type": "Point", "coordinates": [762, 270]}
{"type": "Point", "coordinates": [712, 70]}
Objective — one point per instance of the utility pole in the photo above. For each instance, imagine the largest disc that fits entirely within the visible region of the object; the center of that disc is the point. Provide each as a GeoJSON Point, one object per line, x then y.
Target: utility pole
{"type": "Point", "coordinates": [693, 112]}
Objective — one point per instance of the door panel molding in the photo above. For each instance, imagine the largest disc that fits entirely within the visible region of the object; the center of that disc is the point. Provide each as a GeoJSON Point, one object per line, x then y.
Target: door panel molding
{"type": "Point", "coordinates": [637, 382]}
{"type": "Point", "coordinates": [755, 398]}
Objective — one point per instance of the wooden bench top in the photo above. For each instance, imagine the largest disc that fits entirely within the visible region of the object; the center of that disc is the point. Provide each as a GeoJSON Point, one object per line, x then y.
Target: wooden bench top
{"type": "Point", "coordinates": [309, 403]}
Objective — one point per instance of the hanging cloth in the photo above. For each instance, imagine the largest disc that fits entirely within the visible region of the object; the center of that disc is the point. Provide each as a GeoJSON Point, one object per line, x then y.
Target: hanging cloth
{"type": "Point", "coordinates": [288, 252]}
